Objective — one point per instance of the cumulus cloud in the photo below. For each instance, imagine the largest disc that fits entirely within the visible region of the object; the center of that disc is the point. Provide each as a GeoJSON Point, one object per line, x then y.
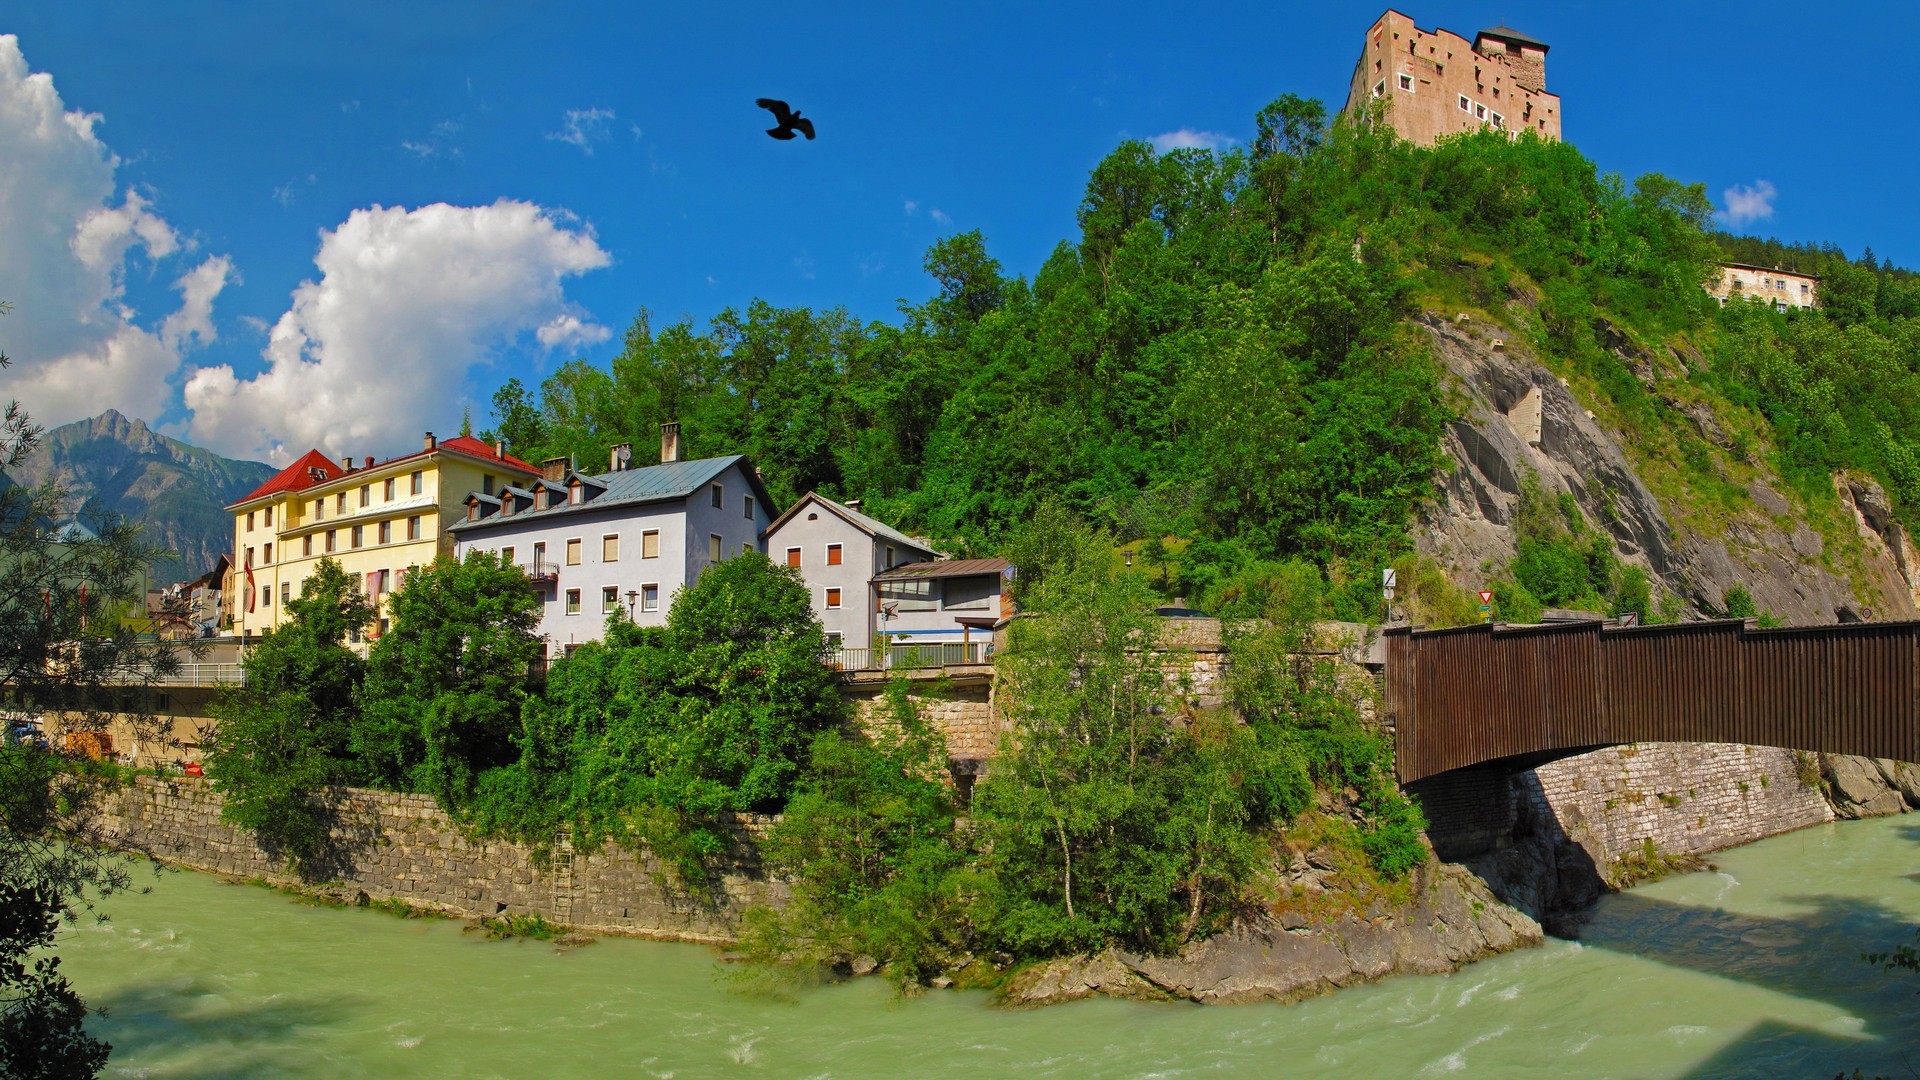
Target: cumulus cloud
{"type": "Point", "coordinates": [939, 216]}
{"type": "Point", "coordinates": [1745, 204]}
{"type": "Point", "coordinates": [1189, 139]}
{"type": "Point", "coordinates": [912, 208]}
{"type": "Point", "coordinates": [407, 301]}
{"type": "Point", "coordinates": [583, 128]}
{"type": "Point", "coordinates": [70, 233]}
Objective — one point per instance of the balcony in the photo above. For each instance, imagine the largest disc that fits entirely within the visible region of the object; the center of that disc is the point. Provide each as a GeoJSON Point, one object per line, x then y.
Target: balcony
{"type": "Point", "coordinates": [907, 657]}
{"type": "Point", "coordinates": [541, 572]}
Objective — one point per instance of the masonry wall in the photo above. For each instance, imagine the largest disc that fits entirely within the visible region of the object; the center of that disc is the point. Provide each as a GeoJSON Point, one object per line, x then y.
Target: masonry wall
{"type": "Point", "coordinates": [390, 845]}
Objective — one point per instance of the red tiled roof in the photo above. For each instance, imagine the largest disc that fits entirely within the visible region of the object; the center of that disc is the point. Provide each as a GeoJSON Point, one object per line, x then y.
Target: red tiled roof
{"type": "Point", "coordinates": [295, 476]}
{"type": "Point", "coordinates": [471, 447]}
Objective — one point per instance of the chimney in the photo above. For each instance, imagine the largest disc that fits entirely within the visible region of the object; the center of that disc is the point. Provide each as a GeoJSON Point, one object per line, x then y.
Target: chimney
{"type": "Point", "coordinates": [430, 443]}
{"type": "Point", "coordinates": [555, 468]}
{"type": "Point", "coordinates": [669, 443]}
{"type": "Point", "coordinates": [500, 449]}
{"type": "Point", "coordinates": [852, 504]}
{"type": "Point", "coordinates": [369, 461]}
{"type": "Point", "coordinates": [620, 458]}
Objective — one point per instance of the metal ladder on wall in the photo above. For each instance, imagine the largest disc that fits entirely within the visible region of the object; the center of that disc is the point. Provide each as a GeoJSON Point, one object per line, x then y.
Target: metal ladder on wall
{"type": "Point", "coordinates": [563, 878]}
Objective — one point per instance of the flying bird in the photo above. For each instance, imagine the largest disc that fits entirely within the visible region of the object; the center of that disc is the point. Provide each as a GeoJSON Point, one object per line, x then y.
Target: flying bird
{"type": "Point", "coordinates": [789, 120]}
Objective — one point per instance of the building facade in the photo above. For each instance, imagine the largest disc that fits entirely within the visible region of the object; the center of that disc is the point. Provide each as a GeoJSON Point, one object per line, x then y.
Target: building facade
{"type": "Point", "coordinates": [839, 551]}
{"type": "Point", "coordinates": [621, 542]}
{"type": "Point", "coordinates": [376, 520]}
{"type": "Point", "coordinates": [1435, 83]}
{"type": "Point", "coordinates": [944, 602]}
{"type": "Point", "coordinates": [1783, 289]}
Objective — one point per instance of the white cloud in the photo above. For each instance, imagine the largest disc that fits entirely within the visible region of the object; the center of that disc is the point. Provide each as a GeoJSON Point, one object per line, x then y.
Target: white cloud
{"type": "Point", "coordinates": [940, 216]}
{"type": "Point", "coordinates": [406, 303]}
{"type": "Point", "coordinates": [1189, 139]}
{"type": "Point", "coordinates": [70, 234]}
{"type": "Point", "coordinates": [1746, 204]}
{"type": "Point", "coordinates": [804, 266]}
{"type": "Point", "coordinates": [912, 208]}
{"type": "Point", "coordinates": [583, 128]}
{"type": "Point", "coordinates": [437, 143]}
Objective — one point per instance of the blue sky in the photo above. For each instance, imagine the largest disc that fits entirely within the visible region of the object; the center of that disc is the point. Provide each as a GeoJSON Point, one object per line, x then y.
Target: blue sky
{"type": "Point", "coordinates": [206, 251]}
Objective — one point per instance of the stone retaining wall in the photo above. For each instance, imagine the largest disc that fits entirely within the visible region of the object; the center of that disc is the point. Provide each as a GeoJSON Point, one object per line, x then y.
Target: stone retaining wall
{"type": "Point", "coordinates": [390, 845]}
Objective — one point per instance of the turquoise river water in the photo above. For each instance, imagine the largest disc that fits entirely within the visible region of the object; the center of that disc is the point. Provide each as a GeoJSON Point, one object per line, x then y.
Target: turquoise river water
{"type": "Point", "coordinates": [1752, 970]}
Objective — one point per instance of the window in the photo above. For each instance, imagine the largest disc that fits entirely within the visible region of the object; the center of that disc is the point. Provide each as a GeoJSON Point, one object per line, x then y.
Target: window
{"type": "Point", "coordinates": [383, 583]}
{"type": "Point", "coordinates": [359, 532]}
{"type": "Point", "coordinates": [1406, 83]}
{"type": "Point", "coordinates": [889, 556]}
{"type": "Point", "coordinates": [573, 493]}
{"type": "Point", "coordinates": [746, 547]}
{"type": "Point", "coordinates": [834, 638]}
{"type": "Point", "coordinates": [833, 598]}
{"type": "Point", "coordinates": [385, 625]}
{"type": "Point", "coordinates": [909, 595]}
{"type": "Point", "coordinates": [386, 490]}
{"type": "Point", "coordinates": [266, 596]}
{"type": "Point", "coordinates": [714, 550]}
{"type": "Point", "coordinates": [386, 532]}
{"type": "Point", "coordinates": [650, 544]}
{"type": "Point", "coordinates": [417, 481]}
{"type": "Point", "coordinates": [610, 548]}
{"type": "Point", "coordinates": [330, 540]}
{"type": "Point", "coordinates": [1479, 111]}
{"type": "Point", "coordinates": [1499, 121]}
{"type": "Point", "coordinates": [747, 502]}
{"type": "Point", "coordinates": [719, 495]}
{"type": "Point", "coordinates": [1465, 105]}
{"type": "Point", "coordinates": [609, 599]}
{"type": "Point", "coordinates": [835, 555]}
{"type": "Point", "coordinates": [286, 591]}
{"type": "Point", "coordinates": [249, 521]}
{"type": "Point", "coordinates": [540, 558]}
{"type": "Point", "coordinates": [649, 598]}
{"type": "Point", "coordinates": [366, 494]}
{"type": "Point", "coordinates": [249, 561]}
{"type": "Point", "coordinates": [573, 601]}
{"type": "Point", "coordinates": [319, 509]}
{"type": "Point", "coordinates": [1379, 88]}
{"type": "Point", "coordinates": [340, 503]}
{"type": "Point", "coordinates": [793, 556]}
{"type": "Point", "coordinates": [413, 527]}
{"type": "Point", "coordinates": [266, 555]}
{"type": "Point", "coordinates": [506, 555]}
{"type": "Point", "coordinates": [306, 546]}
{"type": "Point", "coordinates": [969, 594]}
{"type": "Point", "coordinates": [269, 515]}
{"type": "Point", "coordinates": [573, 552]}
{"type": "Point", "coordinates": [1779, 306]}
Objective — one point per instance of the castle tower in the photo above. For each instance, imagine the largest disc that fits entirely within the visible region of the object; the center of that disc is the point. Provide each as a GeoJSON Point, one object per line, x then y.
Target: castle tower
{"type": "Point", "coordinates": [1436, 83]}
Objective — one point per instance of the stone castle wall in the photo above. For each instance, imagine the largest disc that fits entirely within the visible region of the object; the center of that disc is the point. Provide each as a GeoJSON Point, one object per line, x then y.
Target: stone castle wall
{"type": "Point", "coordinates": [394, 846]}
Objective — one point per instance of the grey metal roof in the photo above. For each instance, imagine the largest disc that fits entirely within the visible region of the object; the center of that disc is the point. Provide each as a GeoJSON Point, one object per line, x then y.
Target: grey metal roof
{"type": "Point", "coordinates": [858, 520]}
{"type": "Point", "coordinates": [1508, 33]}
{"type": "Point", "coordinates": [655, 483]}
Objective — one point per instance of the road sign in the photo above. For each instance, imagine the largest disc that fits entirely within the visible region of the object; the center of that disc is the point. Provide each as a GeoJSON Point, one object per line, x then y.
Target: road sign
{"type": "Point", "coordinates": [1486, 597]}
{"type": "Point", "coordinates": [1629, 618]}
{"type": "Point", "coordinates": [1389, 578]}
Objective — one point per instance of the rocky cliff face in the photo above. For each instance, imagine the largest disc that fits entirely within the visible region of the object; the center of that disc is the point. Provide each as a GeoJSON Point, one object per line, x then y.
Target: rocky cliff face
{"type": "Point", "coordinates": [115, 465]}
{"type": "Point", "coordinates": [1520, 417]}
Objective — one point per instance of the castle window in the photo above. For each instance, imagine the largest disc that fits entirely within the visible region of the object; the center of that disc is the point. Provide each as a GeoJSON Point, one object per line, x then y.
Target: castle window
{"type": "Point", "coordinates": [1406, 83]}
{"type": "Point", "coordinates": [1380, 88]}
{"type": "Point", "coordinates": [1498, 121]}
{"type": "Point", "coordinates": [1479, 111]}
{"type": "Point", "coordinates": [1465, 105]}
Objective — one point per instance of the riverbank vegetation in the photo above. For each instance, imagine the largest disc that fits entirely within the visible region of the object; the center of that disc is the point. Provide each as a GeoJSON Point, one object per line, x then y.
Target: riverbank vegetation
{"type": "Point", "coordinates": [1223, 373]}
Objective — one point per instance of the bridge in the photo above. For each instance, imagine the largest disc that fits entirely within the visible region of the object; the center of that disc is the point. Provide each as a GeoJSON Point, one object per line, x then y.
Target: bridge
{"type": "Point", "coordinates": [1526, 695]}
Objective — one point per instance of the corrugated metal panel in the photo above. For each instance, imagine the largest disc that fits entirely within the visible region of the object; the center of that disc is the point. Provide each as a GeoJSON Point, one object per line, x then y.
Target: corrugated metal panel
{"type": "Point", "coordinates": [1467, 695]}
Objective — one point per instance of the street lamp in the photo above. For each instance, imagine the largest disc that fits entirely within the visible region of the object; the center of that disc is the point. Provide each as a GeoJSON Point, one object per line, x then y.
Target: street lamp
{"type": "Point", "coordinates": [632, 595]}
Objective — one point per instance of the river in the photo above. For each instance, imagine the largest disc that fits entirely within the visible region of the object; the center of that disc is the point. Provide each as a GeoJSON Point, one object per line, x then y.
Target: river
{"type": "Point", "coordinates": [1750, 970]}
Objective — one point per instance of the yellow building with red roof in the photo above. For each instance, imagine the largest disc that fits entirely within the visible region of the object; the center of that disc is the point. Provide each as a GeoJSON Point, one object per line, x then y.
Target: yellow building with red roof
{"type": "Point", "coordinates": [376, 519]}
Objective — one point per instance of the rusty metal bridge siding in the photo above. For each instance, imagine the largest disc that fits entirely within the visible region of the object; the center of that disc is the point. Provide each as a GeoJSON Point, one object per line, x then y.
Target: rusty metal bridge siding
{"type": "Point", "coordinates": [1472, 694]}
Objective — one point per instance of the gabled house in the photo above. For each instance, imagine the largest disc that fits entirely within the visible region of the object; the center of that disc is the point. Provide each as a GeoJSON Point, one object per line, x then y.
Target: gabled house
{"type": "Point", "coordinates": [838, 550]}
{"type": "Point", "coordinates": [624, 541]}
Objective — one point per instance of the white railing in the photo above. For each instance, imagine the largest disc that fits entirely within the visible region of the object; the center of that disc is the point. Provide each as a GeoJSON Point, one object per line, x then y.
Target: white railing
{"type": "Point", "coordinates": [900, 657]}
{"type": "Point", "coordinates": [204, 675]}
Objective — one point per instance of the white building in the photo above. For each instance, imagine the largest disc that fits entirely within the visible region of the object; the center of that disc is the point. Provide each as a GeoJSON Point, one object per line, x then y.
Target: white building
{"type": "Point", "coordinates": [622, 541]}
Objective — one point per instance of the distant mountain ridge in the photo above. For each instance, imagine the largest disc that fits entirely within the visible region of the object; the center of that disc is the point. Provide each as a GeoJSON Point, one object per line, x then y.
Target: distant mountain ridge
{"type": "Point", "coordinates": [178, 491]}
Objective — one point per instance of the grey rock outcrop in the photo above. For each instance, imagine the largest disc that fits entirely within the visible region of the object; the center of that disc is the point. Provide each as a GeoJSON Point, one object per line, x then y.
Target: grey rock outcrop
{"type": "Point", "coordinates": [1861, 787]}
{"type": "Point", "coordinates": [1453, 920]}
{"type": "Point", "coordinates": [1520, 418]}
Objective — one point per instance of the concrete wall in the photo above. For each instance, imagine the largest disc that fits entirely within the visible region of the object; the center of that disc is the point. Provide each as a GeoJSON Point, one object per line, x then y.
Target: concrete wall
{"type": "Point", "coordinates": [402, 846]}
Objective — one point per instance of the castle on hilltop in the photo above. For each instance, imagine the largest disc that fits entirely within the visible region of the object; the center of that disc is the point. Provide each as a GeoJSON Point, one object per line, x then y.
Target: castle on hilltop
{"type": "Point", "coordinates": [1438, 83]}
